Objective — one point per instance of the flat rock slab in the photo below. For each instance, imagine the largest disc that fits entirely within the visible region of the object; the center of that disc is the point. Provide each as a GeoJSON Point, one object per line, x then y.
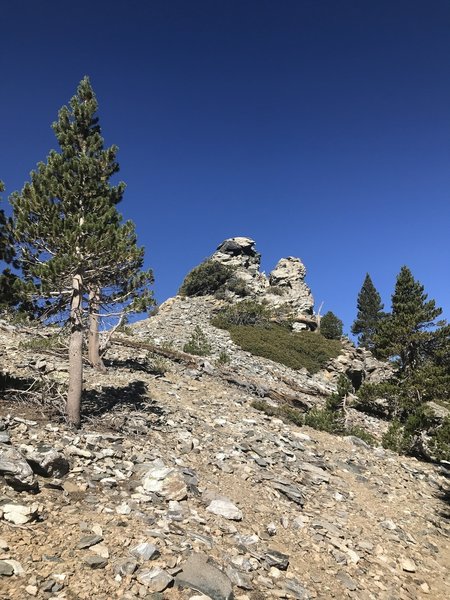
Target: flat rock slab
{"type": "Point", "coordinates": [202, 576]}
{"type": "Point", "coordinates": [225, 508]}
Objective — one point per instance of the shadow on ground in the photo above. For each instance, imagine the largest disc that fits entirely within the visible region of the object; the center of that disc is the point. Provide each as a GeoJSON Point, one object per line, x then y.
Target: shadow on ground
{"type": "Point", "coordinates": [112, 399]}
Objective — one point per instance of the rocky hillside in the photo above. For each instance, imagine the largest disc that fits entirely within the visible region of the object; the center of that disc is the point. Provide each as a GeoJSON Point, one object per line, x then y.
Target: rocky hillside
{"type": "Point", "coordinates": [177, 488]}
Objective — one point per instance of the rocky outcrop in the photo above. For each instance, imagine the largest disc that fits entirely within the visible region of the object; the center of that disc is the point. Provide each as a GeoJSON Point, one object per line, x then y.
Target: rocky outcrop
{"type": "Point", "coordinates": [285, 286]}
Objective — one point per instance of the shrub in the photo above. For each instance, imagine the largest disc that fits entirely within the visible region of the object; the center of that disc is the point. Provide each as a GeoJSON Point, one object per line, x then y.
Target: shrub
{"type": "Point", "coordinates": [324, 420]}
{"type": "Point", "coordinates": [224, 358]}
{"type": "Point", "coordinates": [198, 343]}
{"type": "Point", "coordinates": [205, 279]}
{"type": "Point", "coordinates": [362, 434]}
{"type": "Point", "coordinates": [276, 290]}
{"type": "Point", "coordinates": [440, 441]}
{"type": "Point", "coordinates": [284, 412]}
{"type": "Point", "coordinates": [157, 365]}
{"type": "Point", "coordinates": [295, 350]}
{"type": "Point", "coordinates": [331, 326]}
{"type": "Point", "coordinates": [247, 312]}
{"type": "Point", "coordinates": [238, 286]}
{"type": "Point", "coordinates": [48, 343]}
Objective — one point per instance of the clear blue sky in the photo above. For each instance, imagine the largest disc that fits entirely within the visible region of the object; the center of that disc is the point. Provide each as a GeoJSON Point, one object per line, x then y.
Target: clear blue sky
{"type": "Point", "coordinates": [320, 128]}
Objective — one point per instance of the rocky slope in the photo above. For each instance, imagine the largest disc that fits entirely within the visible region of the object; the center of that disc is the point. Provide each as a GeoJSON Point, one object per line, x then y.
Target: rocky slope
{"type": "Point", "coordinates": [177, 488]}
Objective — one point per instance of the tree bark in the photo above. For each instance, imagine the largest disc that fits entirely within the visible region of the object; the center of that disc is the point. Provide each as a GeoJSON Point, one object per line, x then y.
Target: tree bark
{"type": "Point", "coordinates": [75, 355]}
{"type": "Point", "coordinates": [93, 335]}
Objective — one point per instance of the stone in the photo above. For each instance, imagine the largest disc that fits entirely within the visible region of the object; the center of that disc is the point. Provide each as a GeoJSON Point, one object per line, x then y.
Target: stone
{"type": "Point", "coordinates": [16, 470]}
{"type": "Point", "coordinates": [156, 579]}
{"type": "Point", "coordinates": [408, 565]}
{"type": "Point", "coordinates": [199, 574]}
{"type": "Point", "coordinates": [16, 567]}
{"type": "Point", "coordinates": [125, 566]}
{"type": "Point", "coordinates": [46, 461]}
{"type": "Point", "coordinates": [225, 508]}
{"type": "Point", "coordinates": [89, 540]}
{"type": "Point", "coordinates": [145, 551]}
{"type": "Point", "coordinates": [6, 569]}
{"type": "Point", "coordinates": [95, 562]}
{"type": "Point", "coordinates": [277, 559]}
{"type": "Point", "coordinates": [166, 481]}
{"type": "Point", "coordinates": [346, 581]}
{"type": "Point", "coordinates": [19, 514]}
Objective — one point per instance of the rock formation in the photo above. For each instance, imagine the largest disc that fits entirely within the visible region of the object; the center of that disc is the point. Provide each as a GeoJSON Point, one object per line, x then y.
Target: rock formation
{"type": "Point", "coordinates": [285, 285]}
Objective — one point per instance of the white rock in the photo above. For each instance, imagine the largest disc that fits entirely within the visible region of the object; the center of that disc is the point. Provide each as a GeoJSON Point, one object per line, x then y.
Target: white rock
{"type": "Point", "coordinates": [225, 508]}
{"type": "Point", "coordinates": [19, 514]}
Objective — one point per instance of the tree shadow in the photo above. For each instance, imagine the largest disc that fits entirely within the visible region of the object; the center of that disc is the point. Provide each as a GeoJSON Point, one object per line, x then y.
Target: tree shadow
{"type": "Point", "coordinates": [133, 397]}
{"type": "Point", "coordinates": [444, 494]}
{"type": "Point", "coordinates": [133, 364]}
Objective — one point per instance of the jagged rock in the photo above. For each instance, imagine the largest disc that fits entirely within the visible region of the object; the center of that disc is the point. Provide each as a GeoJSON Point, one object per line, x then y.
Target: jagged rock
{"type": "Point", "coordinates": [145, 551]}
{"type": "Point", "coordinates": [199, 574]}
{"type": "Point", "coordinates": [285, 285]}
{"type": "Point", "coordinates": [16, 471]}
{"type": "Point", "coordinates": [46, 461]}
{"type": "Point", "coordinates": [156, 579]}
{"type": "Point", "coordinates": [166, 481]}
{"type": "Point", "coordinates": [89, 540]}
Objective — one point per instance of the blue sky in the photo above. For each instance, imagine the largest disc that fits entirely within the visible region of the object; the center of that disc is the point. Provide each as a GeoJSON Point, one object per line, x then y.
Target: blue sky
{"type": "Point", "coordinates": [320, 128]}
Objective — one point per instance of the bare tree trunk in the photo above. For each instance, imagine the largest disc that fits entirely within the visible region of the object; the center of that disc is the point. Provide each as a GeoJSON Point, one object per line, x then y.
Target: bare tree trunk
{"type": "Point", "coordinates": [319, 318]}
{"type": "Point", "coordinates": [93, 335]}
{"type": "Point", "coordinates": [75, 355]}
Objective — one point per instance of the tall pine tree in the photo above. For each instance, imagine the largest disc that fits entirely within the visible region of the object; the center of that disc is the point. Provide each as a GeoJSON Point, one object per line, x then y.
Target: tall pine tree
{"type": "Point", "coordinates": [75, 251]}
{"type": "Point", "coordinates": [411, 334]}
{"type": "Point", "coordinates": [9, 293]}
{"type": "Point", "coordinates": [370, 314]}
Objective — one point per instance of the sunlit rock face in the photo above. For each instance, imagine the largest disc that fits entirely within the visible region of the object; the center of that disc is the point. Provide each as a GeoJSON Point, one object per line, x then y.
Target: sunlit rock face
{"type": "Point", "coordinates": [285, 285]}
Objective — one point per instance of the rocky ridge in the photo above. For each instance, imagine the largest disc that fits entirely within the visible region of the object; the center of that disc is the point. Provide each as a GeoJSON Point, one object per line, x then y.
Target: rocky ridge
{"type": "Point", "coordinates": [177, 488]}
{"type": "Point", "coordinates": [284, 286]}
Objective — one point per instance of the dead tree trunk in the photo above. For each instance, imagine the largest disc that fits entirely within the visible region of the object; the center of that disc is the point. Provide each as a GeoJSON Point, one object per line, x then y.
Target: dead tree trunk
{"type": "Point", "coordinates": [75, 355]}
{"type": "Point", "coordinates": [93, 334]}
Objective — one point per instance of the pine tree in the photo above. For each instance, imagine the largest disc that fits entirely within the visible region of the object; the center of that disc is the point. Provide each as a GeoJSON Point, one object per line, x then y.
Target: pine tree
{"type": "Point", "coordinates": [75, 251]}
{"type": "Point", "coordinates": [331, 326]}
{"type": "Point", "coordinates": [370, 314]}
{"type": "Point", "coordinates": [9, 292]}
{"type": "Point", "coordinates": [410, 334]}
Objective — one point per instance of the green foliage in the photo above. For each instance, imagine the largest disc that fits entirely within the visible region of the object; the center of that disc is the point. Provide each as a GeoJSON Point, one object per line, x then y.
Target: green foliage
{"type": "Point", "coordinates": [410, 334]}
{"type": "Point", "coordinates": [324, 420]}
{"type": "Point", "coordinates": [157, 365]}
{"type": "Point", "coordinates": [295, 350]}
{"type": "Point", "coordinates": [440, 441]}
{"type": "Point", "coordinates": [247, 312]}
{"type": "Point", "coordinates": [362, 434]}
{"type": "Point", "coordinates": [66, 223]}
{"type": "Point", "coordinates": [331, 326]}
{"type": "Point", "coordinates": [207, 278]}
{"type": "Point", "coordinates": [370, 314]}
{"type": "Point", "coordinates": [48, 343]}
{"type": "Point", "coordinates": [198, 343]}
{"type": "Point", "coordinates": [237, 285]}
{"type": "Point", "coordinates": [224, 358]}
{"type": "Point", "coordinates": [285, 412]}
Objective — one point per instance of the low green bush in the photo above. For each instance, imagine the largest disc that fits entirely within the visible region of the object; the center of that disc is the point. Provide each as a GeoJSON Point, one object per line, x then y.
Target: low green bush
{"type": "Point", "coordinates": [51, 342]}
{"type": "Point", "coordinates": [247, 312]}
{"type": "Point", "coordinates": [295, 350]}
{"type": "Point", "coordinates": [206, 279]}
{"type": "Point", "coordinates": [198, 343]}
{"type": "Point", "coordinates": [224, 358]}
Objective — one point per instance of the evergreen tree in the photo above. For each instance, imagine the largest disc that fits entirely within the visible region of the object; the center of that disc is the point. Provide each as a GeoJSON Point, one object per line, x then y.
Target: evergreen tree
{"type": "Point", "coordinates": [410, 334]}
{"type": "Point", "coordinates": [331, 326]}
{"type": "Point", "coordinates": [370, 314]}
{"type": "Point", "coordinates": [9, 282]}
{"type": "Point", "coordinates": [75, 251]}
